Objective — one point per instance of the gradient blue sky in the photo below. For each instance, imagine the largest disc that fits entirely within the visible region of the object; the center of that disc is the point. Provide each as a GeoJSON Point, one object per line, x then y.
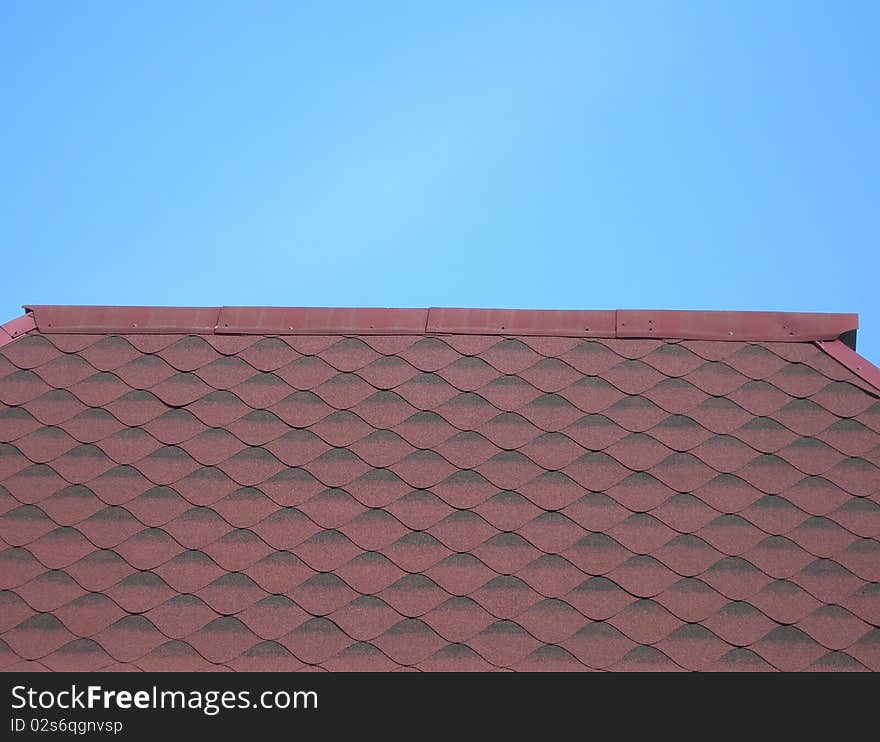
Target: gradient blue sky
{"type": "Point", "coordinates": [686, 155]}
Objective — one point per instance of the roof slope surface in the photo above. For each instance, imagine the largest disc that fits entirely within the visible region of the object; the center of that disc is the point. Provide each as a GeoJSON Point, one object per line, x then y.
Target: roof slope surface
{"type": "Point", "coordinates": [468, 499]}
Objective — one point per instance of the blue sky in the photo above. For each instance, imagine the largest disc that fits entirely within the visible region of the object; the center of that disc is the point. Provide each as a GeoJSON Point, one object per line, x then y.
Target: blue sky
{"type": "Point", "coordinates": [685, 155]}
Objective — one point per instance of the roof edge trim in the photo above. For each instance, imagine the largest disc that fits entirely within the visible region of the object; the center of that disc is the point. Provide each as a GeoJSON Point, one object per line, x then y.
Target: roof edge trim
{"type": "Point", "coordinates": [623, 323]}
{"type": "Point", "coordinates": [856, 363]}
{"type": "Point", "coordinates": [17, 327]}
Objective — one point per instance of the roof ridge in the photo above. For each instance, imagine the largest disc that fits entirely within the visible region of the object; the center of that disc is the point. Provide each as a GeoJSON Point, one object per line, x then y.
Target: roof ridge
{"type": "Point", "coordinates": [621, 323]}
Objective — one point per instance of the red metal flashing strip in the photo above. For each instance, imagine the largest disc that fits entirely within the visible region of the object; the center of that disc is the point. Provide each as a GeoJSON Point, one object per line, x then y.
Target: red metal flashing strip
{"type": "Point", "coordinates": [753, 326]}
{"type": "Point", "coordinates": [16, 328]}
{"type": "Point", "coordinates": [147, 320]}
{"type": "Point", "coordinates": [320, 321]}
{"type": "Point", "coordinates": [573, 323]}
{"type": "Point", "coordinates": [748, 326]}
{"type": "Point", "coordinates": [859, 365]}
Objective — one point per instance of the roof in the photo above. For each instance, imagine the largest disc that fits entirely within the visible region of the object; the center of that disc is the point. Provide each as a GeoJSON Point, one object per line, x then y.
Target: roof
{"type": "Point", "coordinates": [437, 489]}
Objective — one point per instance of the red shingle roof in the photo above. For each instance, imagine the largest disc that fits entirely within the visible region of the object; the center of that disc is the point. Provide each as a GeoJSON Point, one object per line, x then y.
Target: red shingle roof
{"type": "Point", "coordinates": [269, 488]}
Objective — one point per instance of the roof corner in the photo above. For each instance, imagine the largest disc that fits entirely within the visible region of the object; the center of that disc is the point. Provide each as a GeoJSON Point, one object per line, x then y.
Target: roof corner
{"type": "Point", "coordinates": [844, 354]}
{"type": "Point", "coordinates": [17, 327]}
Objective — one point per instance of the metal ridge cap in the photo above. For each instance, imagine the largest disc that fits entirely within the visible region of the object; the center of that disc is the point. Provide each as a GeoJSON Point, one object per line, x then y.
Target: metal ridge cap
{"type": "Point", "coordinates": [99, 319]}
{"type": "Point", "coordinates": [622, 323]}
{"type": "Point", "coordinates": [742, 326]}
{"type": "Point", "coordinates": [320, 321]}
{"type": "Point", "coordinates": [550, 322]}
